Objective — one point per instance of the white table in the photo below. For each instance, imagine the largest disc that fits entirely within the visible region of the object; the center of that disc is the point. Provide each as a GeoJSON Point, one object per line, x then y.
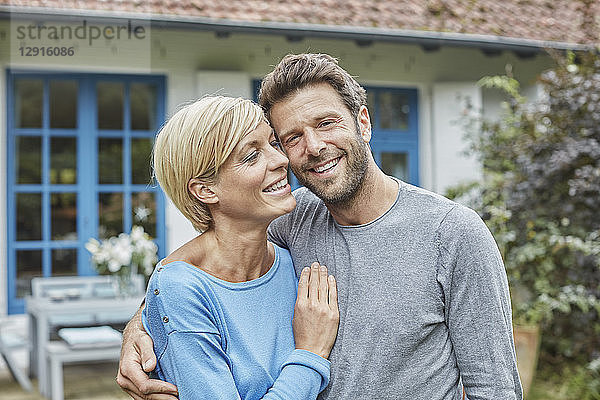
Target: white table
{"type": "Point", "coordinates": [40, 311]}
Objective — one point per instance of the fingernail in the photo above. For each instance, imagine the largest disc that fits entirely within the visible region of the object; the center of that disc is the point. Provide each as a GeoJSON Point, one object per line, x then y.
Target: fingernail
{"type": "Point", "coordinates": [323, 268]}
{"type": "Point", "coordinates": [147, 364]}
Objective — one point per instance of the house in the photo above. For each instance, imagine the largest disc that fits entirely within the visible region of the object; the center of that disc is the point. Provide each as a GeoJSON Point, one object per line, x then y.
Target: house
{"type": "Point", "coordinates": [85, 85]}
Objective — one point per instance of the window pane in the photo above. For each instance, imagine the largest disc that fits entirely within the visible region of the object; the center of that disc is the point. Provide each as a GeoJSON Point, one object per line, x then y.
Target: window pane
{"type": "Point", "coordinates": [393, 111]}
{"type": "Point", "coordinates": [29, 159]}
{"type": "Point", "coordinates": [110, 212]}
{"type": "Point", "coordinates": [63, 104]}
{"type": "Point", "coordinates": [110, 160]}
{"type": "Point", "coordinates": [29, 265]}
{"type": "Point", "coordinates": [395, 164]}
{"type": "Point", "coordinates": [28, 103]}
{"type": "Point", "coordinates": [143, 211]}
{"type": "Point", "coordinates": [110, 105]}
{"type": "Point", "coordinates": [141, 150]}
{"type": "Point", "coordinates": [63, 211]}
{"type": "Point", "coordinates": [371, 106]}
{"type": "Point", "coordinates": [63, 160]}
{"type": "Point", "coordinates": [143, 106]}
{"type": "Point", "coordinates": [29, 216]}
{"type": "Point", "coordinates": [64, 262]}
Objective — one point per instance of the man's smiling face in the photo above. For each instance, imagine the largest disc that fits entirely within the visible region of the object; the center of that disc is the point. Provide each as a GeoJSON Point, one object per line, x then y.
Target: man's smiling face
{"type": "Point", "coordinates": [326, 145]}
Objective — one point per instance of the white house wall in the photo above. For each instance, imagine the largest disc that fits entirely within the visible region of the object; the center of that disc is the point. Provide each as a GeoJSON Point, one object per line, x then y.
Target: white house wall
{"type": "Point", "coordinates": [196, 63]}
{"type": "Point", "coordinates": [450, 165]}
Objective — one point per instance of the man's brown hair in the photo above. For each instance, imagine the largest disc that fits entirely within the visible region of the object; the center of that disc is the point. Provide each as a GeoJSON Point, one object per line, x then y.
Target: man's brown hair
{"type": "Point", "coordinates": [296, 71]}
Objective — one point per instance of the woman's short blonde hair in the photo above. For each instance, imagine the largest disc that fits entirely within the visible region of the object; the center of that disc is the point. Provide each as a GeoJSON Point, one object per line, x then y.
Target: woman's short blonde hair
{"type": "Point", "coordinates": [194, 143]}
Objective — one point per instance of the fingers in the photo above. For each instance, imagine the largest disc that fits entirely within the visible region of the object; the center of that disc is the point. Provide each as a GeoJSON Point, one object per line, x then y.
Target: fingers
{"type": "Point", "coordinates": [303, 283]}
{"type": "Point", "coordinates": [323, 285]}
{"type": "Point", "coordinates": [146, 351]}
{"type": "Point", "coordinates": [333, 297]}
{"type": "Point", "coordinates": [313, 283]}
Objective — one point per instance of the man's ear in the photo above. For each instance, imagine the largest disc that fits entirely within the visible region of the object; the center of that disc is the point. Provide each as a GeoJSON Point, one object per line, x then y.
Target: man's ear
{"type": "Point", "coordinates": [202, 192]}
{"type": "Point", "coordinates": [364, 124]}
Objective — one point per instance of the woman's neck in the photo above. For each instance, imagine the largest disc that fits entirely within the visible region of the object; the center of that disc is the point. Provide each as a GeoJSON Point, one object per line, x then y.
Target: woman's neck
{"type": "Point", "coordinates": [234, 252]}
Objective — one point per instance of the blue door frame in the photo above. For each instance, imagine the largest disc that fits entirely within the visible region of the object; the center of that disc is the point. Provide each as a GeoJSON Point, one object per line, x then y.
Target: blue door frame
{"type": "Point", "coordinates": [86, 186]}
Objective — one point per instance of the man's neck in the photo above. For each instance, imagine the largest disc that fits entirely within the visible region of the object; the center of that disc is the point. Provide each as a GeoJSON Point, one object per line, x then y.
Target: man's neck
{"type": "Point", "coordinates": [375, 197]}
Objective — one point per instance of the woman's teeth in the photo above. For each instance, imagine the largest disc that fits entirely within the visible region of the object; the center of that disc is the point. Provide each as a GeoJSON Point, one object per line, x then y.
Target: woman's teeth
{"type": "Point", "coordinates": [277, 186]}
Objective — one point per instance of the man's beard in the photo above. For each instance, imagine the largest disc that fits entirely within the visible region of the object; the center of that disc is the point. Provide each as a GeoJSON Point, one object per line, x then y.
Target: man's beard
{"type": "Point", "coordinates": [338, 190]}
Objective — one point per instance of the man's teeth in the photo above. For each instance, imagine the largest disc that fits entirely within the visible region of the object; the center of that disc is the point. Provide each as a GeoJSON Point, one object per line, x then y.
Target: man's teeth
{"type": "Point", "coordinates": [327, 166]}
{"type": "Point", "coordinates": [277, 186]}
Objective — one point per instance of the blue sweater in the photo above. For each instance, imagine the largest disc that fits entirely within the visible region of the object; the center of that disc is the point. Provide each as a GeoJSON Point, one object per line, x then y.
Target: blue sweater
{"type": "Point", "coordinates": [221, 340]}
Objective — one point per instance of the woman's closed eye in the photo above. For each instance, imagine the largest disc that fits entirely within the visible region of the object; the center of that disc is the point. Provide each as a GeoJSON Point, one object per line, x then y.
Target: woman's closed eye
{"type": "Point", "coordinates": [252, 157]}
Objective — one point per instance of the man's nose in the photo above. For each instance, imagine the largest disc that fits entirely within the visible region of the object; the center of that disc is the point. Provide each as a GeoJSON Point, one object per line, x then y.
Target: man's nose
{"type": "Point", "coordinates": [314, 142]}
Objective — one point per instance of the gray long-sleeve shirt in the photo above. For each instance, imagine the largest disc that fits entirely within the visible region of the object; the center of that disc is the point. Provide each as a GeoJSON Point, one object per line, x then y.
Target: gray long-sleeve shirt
{"type": "Point", "coordinates": [423, 299]}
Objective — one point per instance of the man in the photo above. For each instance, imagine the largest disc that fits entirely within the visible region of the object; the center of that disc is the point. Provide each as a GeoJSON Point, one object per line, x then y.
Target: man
{"type": "Point", "coordinates": [423, 294]}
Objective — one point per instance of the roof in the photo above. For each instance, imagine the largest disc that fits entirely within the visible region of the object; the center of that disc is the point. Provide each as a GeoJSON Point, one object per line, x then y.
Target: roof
{"type": "Point", "coordinates": [538, 22]}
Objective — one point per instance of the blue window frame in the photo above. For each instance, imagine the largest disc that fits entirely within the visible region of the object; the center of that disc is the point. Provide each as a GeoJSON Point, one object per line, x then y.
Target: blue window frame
{"type": "Point", "coordinates": [395, 131]}
{"type": "Point", "coordinates": [78, 167]}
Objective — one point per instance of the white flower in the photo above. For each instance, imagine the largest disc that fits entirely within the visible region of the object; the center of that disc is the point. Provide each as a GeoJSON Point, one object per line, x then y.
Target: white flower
{"type": "Point", "coordinates": [92, 246]}
{"type": "Point", "coordinates": [137, 234]}
{"type": "Point", "coordinates": [114, 266]}
{"type": "Point", "coordinates": [112, 254]}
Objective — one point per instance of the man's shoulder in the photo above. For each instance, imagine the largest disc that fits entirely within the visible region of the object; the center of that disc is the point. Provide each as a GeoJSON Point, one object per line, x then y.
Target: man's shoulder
{"type": "Point", "coordinates": [424, 197]}
{"type": "Point", "coordinates": [305, 198]}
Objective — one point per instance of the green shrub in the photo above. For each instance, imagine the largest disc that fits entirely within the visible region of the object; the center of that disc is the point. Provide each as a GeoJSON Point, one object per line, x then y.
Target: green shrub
{"type": "Point", "coordinates": [540, 197]}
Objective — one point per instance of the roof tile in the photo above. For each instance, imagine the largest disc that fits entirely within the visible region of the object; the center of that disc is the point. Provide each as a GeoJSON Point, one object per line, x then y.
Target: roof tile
{"type": "Point", "coordinates": [557, 20]}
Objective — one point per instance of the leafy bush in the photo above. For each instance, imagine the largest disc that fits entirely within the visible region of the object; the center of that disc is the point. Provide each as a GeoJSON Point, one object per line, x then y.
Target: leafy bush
{"type": "Point", "coordinates": [540, 197]}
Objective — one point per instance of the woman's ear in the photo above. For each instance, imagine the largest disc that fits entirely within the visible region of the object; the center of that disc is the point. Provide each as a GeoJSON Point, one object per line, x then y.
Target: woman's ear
{"type": "Point", "coordinates": [364, 124]}
{"type": "Point", "coordinates": [200, 190]}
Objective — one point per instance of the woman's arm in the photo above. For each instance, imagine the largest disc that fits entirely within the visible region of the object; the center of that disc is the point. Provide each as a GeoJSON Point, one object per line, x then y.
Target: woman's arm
{"type": "Point", "coordinates": [189, 342]}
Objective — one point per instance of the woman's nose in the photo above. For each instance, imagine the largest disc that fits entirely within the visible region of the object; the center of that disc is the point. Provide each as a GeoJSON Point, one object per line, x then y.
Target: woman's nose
{"type": "Point", "coordinates": [278, 159]}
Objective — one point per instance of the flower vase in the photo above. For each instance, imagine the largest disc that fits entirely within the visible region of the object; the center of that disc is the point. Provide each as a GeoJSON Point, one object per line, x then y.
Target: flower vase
{"type": "Point", "coordinates": [125, 281]}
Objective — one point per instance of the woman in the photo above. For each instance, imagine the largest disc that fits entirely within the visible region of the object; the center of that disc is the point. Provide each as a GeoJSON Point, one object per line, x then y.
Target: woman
{"type": "Point", "coordinates": [219, 309]}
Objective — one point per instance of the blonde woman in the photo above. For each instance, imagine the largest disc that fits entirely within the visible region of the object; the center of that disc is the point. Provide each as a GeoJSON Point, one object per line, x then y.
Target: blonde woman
{"type": "Point", "coordinates": [220, 308]}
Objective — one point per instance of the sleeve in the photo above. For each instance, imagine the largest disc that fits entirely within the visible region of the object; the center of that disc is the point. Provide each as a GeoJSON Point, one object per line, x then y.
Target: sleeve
{"type": "Point", "coordinates": [477, 307]}
{"type": "Point", "coordinates": [191, 351]}
{"type": "Point", "coordinates": [197, 365]}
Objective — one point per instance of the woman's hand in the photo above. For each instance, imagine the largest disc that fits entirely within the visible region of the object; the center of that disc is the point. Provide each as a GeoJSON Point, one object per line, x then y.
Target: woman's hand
{"type": "Point", "coordinates": [316, 315]}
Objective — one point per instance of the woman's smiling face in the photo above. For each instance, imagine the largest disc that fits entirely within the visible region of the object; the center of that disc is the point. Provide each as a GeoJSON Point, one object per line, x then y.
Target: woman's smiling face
{"type": "Point", "coordinates": [252, 184]}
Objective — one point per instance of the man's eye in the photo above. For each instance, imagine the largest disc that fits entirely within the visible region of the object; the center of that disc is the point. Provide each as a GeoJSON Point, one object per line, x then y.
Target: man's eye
{"type": "Point", "coordinates": [292, 140]}
{"type": "Point", "coordinates": [276, 144]}
{"type": "Point", "coordinates": [328, 122]}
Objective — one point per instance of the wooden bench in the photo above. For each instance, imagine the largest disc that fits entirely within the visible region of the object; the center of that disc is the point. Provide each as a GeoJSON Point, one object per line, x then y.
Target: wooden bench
{"type": "Point", "coordinates": [59, 353]}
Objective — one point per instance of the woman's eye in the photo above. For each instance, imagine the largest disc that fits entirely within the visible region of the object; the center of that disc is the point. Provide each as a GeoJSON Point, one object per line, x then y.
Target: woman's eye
{"type": "Point", "coordinates": [276, 144]}
{"type": "Point", "coordinates": [251, 157]}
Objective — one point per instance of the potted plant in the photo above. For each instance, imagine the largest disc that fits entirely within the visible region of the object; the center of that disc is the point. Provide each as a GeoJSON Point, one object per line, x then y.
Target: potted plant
{"type": "Point", "coordinates": [123, 256]}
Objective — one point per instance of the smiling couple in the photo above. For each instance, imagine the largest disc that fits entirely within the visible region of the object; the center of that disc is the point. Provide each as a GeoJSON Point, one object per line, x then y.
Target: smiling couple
{"type": "Point", "coordinates": [424, 305]}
